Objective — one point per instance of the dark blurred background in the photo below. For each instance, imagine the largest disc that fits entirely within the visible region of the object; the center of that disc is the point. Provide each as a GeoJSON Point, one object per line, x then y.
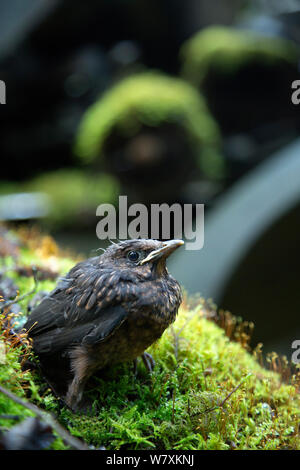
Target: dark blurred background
{"type": "Point", "coordinates": [164, 101]}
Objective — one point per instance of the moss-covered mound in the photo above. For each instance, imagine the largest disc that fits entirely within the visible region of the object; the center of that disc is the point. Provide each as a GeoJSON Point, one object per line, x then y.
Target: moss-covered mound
{"type": "Point", "coordinates": [150, 99]}
{"type": "Point", "coordinates": [206, 392]}
{"type": "Point", "coordinates": [227, 49]}
{"type": "Point", "coordinates": [72, 195]}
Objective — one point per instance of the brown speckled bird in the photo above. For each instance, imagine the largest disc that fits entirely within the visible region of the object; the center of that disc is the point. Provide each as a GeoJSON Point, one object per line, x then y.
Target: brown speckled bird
{"type": "Point", "coordinates": [108, 309]}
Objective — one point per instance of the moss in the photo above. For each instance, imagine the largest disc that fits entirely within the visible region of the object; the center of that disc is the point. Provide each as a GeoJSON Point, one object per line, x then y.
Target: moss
{"type": "Point", "coordinates": [73, 194]}
{"type": "Point", "coordinates": [8, 187]}
{"type": "Point", "coordinates": [227, 49]}
{"type": "Point", "coordinates": [150, 99]}
{"type": "Point", "coordinates": [206, 392]}
{"type": "Point", "coordinates": [13, 378]}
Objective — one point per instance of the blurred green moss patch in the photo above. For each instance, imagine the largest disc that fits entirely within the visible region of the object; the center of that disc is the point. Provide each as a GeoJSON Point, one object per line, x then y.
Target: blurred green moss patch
{"type": "Point", "coordinates": [150, 99]}
{"type": "Point", "coordinates": [207, 391]}
{"type": "Point", "coordinates": [227, 49]}
{"type": "Point", "coordinates": [73, 195]}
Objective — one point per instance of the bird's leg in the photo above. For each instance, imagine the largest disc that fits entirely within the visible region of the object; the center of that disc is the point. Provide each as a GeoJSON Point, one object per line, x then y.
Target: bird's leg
{"type": "Point", "coordinates": [79, 365]}
{"type": "Point", "coordinates": [148, 361]}
{"type": "Point", "coordinates": [75, 391]}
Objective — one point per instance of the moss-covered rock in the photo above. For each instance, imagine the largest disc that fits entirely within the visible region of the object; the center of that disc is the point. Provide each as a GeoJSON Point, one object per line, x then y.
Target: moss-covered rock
{"type": "Point", "coordinates": [73, 195]}
{"type": "Point", "coordinates": [206, 392]}
{"type": "Point", "coordinates": [228, 49]}
{"type": "Point", "coordinates": [150, 99]}
{"type": "Point", "coordinates": [239, 72]}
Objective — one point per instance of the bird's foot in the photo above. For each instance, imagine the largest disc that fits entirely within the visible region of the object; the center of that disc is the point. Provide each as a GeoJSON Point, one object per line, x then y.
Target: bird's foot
{"type": "Point", "coordinates": [74, 394]}
{"type": "Point", "coordinates": [85, 407]}
{"type": "Point", "coordinates": [77, 406]}
{"type": "Point", "coordinates": [148, 361]}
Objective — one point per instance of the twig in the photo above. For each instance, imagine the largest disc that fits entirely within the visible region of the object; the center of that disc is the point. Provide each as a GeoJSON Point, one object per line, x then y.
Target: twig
{"type": "Point", "coordinates": [17, 299]}
{"type": "Point", "coordinates": [62, 432]}
{"type": "Point", "coordinates": [227, 396]}
{"type": "Point", "coordinates": [13, 417]}
{"type": "Point", "coordinates": [234, 390]}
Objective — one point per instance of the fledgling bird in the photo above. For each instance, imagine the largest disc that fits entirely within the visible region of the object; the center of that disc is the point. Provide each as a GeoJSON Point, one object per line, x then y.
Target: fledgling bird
{"type": "Point", "coordinates": [108, 309]}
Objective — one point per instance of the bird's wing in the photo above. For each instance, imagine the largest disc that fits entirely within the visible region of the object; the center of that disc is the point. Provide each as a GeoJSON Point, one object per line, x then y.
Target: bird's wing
{"type": "Point", "coordinates": [59, 339]}
{"type": "Point", "coordinates": [86, 307]}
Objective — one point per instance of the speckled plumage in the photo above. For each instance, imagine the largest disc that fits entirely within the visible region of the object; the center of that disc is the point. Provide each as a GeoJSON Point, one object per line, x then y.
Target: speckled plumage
{"type": "Point", "coordinates": [107, 309]}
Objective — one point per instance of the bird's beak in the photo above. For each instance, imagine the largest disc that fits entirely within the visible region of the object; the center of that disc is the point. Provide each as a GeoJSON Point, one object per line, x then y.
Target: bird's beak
{"type": "Point", "coordinates": [164, 251]}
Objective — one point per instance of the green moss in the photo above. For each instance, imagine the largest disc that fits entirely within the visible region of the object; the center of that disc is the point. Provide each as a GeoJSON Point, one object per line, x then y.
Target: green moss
{"type": "Point", "coordinates": [206, 391]}
{"type": "Point", "coordinates": [150, 99]}
{"type": "Point", "coordinates": [73, 194]}
{"type": "Point", "coordinates": [13, 378]}
{"type": "Point", "coordinates": [179, 407]}
{"type": "Point", "coordinates": [8, 187]}
{"type": "Point", "coordinates": [227, 49]}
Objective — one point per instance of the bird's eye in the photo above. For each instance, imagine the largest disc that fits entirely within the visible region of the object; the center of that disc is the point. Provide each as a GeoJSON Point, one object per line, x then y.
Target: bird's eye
{"type": "Point", "coordinates": [133, 256]}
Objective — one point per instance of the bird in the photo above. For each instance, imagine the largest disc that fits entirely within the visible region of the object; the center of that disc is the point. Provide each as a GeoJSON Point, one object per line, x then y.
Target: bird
{"type": "Point", "coordinates": [108, 309]}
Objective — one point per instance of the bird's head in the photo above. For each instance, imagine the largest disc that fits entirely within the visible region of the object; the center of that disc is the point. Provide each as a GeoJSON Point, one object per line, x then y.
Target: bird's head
{"type": "Point", "coordinates": [141, 255]}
